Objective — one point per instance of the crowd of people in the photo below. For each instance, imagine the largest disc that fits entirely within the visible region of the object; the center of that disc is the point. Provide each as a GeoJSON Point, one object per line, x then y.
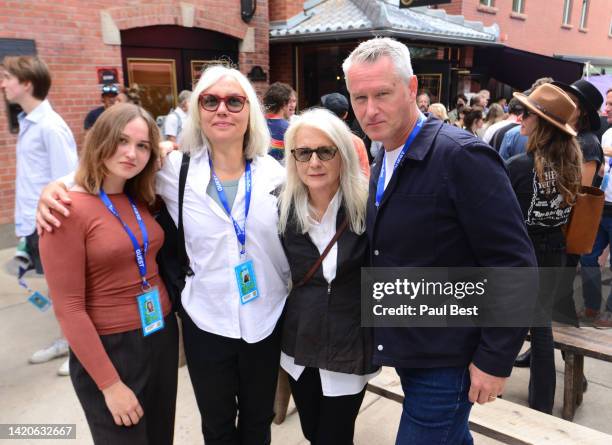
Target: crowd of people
{"type": "Point", "coordinates": [277, 212]}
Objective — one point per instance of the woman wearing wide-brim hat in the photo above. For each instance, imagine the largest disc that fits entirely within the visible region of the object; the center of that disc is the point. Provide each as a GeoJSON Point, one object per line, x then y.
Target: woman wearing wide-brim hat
{"type": "Point", "coordinates": [546, 180]}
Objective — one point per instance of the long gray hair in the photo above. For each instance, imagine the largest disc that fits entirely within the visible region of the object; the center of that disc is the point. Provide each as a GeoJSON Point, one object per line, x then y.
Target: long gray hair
{"type": "Point", "coordinates": [353, 182]}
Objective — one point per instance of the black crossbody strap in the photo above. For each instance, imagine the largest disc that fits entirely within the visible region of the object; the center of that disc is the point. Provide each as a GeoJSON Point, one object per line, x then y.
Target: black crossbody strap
{"type": "Point", "coordinates": [182, 252]}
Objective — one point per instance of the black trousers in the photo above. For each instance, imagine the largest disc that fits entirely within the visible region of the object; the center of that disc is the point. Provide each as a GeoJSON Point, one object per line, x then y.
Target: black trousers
{"type": "Point", "coordinates": [231, 377]}
{"type": "Point", "coordinates": [564, 309]}
{"type": "Point", "coordinates": [149, 367]}
{"type": "Point", "coordinates": [550, 252]}
{"type": "Point", "coordinates": [325, 420]}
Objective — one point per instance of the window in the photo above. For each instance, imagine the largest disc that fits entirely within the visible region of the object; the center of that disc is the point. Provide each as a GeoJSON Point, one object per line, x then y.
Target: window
{"type": "Point", "coordinates": [583, 14]}
{"type": "Point", "coordinates": [518, 6]}
{"type": "Point", "coordinates": [490, 3]}
{"type": "Point", "coordinates": [567, 12]}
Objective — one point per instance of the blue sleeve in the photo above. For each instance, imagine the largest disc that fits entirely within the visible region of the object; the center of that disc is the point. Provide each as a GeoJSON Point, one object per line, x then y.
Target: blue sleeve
{"type": "Point", "coordinates": [489, 213]}
{"type": "Point", "coordinates": [507, 142]}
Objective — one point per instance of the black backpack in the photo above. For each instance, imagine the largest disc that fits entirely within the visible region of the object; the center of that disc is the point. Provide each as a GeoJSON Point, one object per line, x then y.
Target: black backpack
{"type": "Point", "coordinates": [172, 257]}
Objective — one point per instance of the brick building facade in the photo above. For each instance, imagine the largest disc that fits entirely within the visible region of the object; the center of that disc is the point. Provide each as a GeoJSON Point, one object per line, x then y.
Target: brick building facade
{"type": "Point", "coordinates": [76, 38]}
{"type": "Point", "coordinates": [550, 27]}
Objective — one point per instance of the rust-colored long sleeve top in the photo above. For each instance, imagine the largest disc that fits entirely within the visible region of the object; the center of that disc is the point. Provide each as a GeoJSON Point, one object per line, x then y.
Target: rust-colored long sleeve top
{"type": "Point", "coordinates": [93, 278]}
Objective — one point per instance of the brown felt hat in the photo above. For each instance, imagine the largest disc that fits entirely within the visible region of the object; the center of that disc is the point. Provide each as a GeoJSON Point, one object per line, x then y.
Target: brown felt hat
{"type": "Point", "coordinates": [551, 103]}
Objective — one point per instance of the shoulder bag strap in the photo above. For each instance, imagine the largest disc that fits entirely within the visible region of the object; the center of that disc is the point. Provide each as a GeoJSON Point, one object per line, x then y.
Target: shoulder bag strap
{"type": "Point", "coordinates": [319, 261]}
{"type": "Point", "coordinates": [182, 253]}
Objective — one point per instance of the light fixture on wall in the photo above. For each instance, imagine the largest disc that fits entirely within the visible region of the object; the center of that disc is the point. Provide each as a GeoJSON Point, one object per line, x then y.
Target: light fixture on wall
{"type": "Point", "coordinates": [247, 9]}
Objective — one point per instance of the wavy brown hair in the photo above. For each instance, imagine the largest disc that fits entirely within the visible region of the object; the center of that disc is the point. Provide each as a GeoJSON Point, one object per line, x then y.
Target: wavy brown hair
{"type": "Point", "coordinates": [101, 143]}
{"type": "Point", "coordinates": [560, 151]}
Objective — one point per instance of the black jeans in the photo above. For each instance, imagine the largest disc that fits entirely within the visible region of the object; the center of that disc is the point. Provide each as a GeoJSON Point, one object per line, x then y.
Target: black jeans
{"type": "Point", "coordinates": [149, 367]}
{"type": "Point", "coordinates": [324, 420]}
{"type": "Point", "coordinates": [564, 308]}
{"type": "Point", "coordinates": [550, 253]}
{"type": "Point", "coordinates": [231, 376]}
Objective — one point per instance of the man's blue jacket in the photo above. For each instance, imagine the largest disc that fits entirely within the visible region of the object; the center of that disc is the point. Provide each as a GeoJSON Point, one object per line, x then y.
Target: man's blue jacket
{"type": "Point", "coordinates": [448, 204]}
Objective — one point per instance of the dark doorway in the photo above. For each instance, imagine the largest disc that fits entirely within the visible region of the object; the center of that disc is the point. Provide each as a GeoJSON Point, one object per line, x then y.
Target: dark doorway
{"type": "Point", "coordinates": [165, 59]}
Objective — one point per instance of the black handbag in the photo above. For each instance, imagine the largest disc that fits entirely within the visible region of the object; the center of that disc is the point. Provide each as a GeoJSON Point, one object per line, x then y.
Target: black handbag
{"type": "Point", "coordinates": [172, 258]}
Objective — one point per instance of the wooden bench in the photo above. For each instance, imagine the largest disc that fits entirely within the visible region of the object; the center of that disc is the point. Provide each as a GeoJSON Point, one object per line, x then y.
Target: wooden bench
{"type": "Point", "coordinates": [577, 343]}
{"type": "Point", "coordinates": [505, 421]}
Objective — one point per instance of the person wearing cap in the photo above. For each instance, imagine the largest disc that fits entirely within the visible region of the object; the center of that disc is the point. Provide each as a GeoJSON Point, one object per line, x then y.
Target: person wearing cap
{"type": "Point", "coordinates": [546, 180]}
{"type": "Point", "coordinates": [338, 104]}
{"type": "Point", "coordinates": [109, 97]}
{"type": "Point", "coordinates": [176, 119]}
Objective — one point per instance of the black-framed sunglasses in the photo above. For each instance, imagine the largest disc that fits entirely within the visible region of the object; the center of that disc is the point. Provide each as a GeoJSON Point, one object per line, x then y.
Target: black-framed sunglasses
{"type": "Point", "coordinates": [234, 103]}
{"type": "Point", "coordinates": [526, 113]}
{"type": "Point", "coordinates": [303, 154]}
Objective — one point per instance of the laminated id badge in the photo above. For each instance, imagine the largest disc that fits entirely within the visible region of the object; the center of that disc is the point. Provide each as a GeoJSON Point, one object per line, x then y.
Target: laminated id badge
{"type": "Point", "coordinates": [149, 307]}
{"type": "Point", "coordinates": [41, 302]}
{"type": "Point", "coordinates": [247, 284]}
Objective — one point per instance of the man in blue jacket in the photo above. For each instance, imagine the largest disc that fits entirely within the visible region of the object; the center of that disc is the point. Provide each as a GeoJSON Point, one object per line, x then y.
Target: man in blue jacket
{"type": "Point", "coordinates": [442, 199]}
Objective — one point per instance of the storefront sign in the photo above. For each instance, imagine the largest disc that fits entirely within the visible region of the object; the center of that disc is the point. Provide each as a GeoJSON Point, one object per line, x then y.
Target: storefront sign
{"type": "Point", "coordinates": [415, 3]}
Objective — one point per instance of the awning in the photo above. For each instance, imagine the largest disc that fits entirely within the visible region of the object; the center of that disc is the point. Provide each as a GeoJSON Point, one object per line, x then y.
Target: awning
{"type": "Point", "coordinates": [520, 69]}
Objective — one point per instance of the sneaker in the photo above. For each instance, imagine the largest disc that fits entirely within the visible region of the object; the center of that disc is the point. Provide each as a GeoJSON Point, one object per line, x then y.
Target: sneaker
{"type": "Point", "coordinates": [604, 321]}
{"type": "Point", "coordinates": [21, 253]}
{"type": "Point", "coordinates": [64, 370]}
{"type": "Point", "coordinates": [59, 348]}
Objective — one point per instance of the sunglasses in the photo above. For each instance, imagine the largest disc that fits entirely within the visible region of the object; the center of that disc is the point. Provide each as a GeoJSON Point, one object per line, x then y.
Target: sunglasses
{"type": "Point", "coordinates": [323, 153]}
{"type": "Point", "coordinates": [526, 113]}
{"type": "Point", "coordinates": [233, 103]}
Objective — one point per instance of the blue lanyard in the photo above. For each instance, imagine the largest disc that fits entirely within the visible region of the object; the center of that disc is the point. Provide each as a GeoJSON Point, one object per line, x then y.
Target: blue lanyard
{"type": "Point", "coordinates": [240, 232]}
{"type": "Point", "coordinates": [138, 251]}
{"type": "Point", "coordinates": [380, 188]}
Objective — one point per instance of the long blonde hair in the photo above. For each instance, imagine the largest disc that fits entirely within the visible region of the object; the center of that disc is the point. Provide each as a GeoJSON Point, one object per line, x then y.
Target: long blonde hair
{"type": "Point", "coordinates": [353, 183]}
{"type": "Point", "coordinates": [560, 151]}
{"type": "Point", "coordinates": [257, 137]}
{"type": "Point", "coordinates": [101, 143]}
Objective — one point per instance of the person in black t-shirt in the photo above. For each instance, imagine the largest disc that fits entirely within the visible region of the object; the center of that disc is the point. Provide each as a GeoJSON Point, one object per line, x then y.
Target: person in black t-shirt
{"type": "Point", "coordinates": [585, 121]}
{"type": "Point", "coordinates": [546, 180]}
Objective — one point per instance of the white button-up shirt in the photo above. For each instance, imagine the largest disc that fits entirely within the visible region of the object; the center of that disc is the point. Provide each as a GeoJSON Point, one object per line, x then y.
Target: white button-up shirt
{"type": "Point", "coordinates": [46, 151]}
{"type": "Point", "coordinates": [333, 384]}
{"type": "Point", "coordinates": [211, 296]}
{"type": "Point", "coordinates": [175, 122]}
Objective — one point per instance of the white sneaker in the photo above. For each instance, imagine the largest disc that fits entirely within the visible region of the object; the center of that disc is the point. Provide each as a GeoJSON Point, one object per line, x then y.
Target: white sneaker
{"type": "Point", "coordinates": [65, 368]}
{"type": "Point", "coordinates": [59, 348]}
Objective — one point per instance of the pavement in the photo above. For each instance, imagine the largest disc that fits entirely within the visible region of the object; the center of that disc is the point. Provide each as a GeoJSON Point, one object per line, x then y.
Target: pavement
{"type": "Point", "coordinates": [35, 394]}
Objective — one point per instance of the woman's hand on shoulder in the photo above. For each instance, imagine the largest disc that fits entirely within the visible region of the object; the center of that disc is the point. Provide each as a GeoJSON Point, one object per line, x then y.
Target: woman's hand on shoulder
{"type": "Point", "coordinates": [165, 148]}
{"type": "Point", "coordinates": [122, 404]}
{"type": "Point", "coordinates": [54, 197]}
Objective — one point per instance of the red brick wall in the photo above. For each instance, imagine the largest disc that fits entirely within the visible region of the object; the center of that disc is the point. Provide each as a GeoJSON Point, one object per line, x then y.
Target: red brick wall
{"type": "Point", "coordinates": [541, 31]}
{"type": "Point", "coordinates": [282, 68]}
{"type": "Point", "coordinates": [68, 37]}
{"type": "Point", "coordinates": [285, 9]}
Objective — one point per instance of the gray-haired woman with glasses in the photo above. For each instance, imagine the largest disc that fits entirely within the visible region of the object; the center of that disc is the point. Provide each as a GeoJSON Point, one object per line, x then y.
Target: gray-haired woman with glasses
{"type": "Point", "coordinates": [325, 351]}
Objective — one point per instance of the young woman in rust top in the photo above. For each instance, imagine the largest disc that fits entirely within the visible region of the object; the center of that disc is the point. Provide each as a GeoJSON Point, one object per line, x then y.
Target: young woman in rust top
{"type": "Point", "coordinates": [108, 297]}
